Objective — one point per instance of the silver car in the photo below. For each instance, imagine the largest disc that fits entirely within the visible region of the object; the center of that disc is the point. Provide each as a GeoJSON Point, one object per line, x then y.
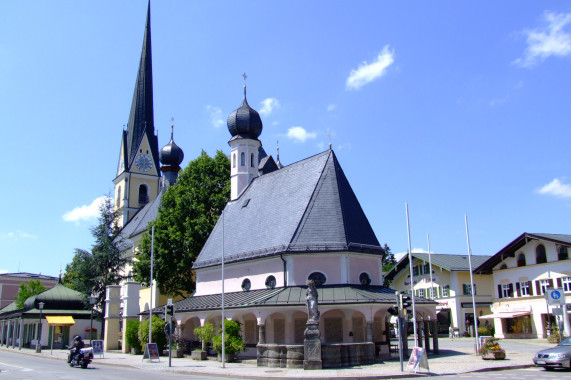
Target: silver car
{"type": "Point", "coordinates": [556, 357]}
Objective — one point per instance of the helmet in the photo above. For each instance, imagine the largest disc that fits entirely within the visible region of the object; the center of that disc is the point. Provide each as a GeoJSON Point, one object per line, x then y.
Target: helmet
{"type": "Point", "coordinates": [77, 338]}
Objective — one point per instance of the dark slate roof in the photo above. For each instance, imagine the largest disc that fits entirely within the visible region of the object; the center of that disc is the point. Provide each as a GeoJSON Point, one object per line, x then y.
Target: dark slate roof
{"type": "Point", "coordinates": [139, 223]}
{"type": "Point", "coordinates": [31, 276]}
{"type": "Point", "coordinates": [511, 249]}
{"type": "Point", "coordinates": [58, 297]}
{"type": "Point", "coordinates": [245, 122]}
{"type": "Point", "coordinates": [304, 207]}
{"type": "Point", "coordinates": [141, 119]}
{"type": "Point", "coordinates": [447, 262]}
{"type": "Point", "coordinates": [290, 296]}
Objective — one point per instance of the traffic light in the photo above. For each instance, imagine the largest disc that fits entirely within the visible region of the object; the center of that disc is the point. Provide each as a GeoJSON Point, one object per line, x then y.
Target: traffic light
{"type": "Point", "coordinates": [169, 310]}
{"type": "Point", "coordinates": [405, 301]}
{"type": "Point", "coordinates": [393, 310]}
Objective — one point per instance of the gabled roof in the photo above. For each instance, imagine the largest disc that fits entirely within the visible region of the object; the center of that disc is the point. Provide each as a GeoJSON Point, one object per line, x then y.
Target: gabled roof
{"type": "Point", "coordinates": [306, 207]}
{"type": "Point", "coordinates": [511, 249]}
{"type": "Point", "coordinates": [31, 276]}
{"type": "Point", "coordinates": [290, 296]}
{"type": "Point", "coordinates": [141, 119]}
{"type": "Point", "coordinates": [139, 222]}
{"type": "Point", "coordinates": [447, 262]}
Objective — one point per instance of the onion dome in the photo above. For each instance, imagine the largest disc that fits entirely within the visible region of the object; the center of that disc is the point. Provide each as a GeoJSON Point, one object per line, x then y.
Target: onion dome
{"type": "Point", "coordinates": [59, 297]}
{"type": "Point", "coordinates": [245, 122]}
{"type": "Point", "coordinates": [171, 154]}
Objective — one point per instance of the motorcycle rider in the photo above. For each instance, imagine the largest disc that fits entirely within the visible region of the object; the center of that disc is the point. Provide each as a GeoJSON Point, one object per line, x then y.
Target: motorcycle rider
{"type": "Point", "coordinates": [77, 345]}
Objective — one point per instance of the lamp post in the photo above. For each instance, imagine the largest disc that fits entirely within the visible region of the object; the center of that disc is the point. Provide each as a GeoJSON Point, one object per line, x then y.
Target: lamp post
{"type": "Point", "coordinates": [39, 340]}
{"type": "Point", "coordinates": [92, 301]}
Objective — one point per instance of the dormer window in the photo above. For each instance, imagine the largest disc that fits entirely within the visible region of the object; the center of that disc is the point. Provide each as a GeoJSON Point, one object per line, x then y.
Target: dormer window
{"type": "Point", "coordinates": [521, 260]}
{"type": "Point", "coordinates": [540, 255]}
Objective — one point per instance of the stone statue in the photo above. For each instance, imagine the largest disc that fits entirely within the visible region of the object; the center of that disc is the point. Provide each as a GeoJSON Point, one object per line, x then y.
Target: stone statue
{"type": "Point", "coordinates": [311, 301]}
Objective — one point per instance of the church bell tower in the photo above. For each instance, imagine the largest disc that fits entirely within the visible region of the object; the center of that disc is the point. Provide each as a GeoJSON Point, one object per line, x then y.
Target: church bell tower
{"type": "Point", "coordinates": [138, 174]}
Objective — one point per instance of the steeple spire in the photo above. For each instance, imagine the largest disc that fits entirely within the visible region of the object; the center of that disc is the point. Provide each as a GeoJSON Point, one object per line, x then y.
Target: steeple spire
{"type": "Point", "coordinates": [141, 118]}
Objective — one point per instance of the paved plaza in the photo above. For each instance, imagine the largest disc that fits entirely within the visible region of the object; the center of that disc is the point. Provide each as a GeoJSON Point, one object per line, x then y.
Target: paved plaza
{"type": "Point", "coordinates": [456, 356]}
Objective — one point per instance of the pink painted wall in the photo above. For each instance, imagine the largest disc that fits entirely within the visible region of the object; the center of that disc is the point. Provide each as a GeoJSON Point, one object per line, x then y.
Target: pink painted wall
{"type": "Point", "coordinates": [329, 264]}
{"type": "Point", "coordinates": [9, 286]}
{"type": "Point", "coordinates": [359, 264]}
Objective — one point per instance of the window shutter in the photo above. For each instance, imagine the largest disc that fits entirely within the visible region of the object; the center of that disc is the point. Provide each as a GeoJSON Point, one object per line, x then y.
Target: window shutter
{"type": "Point", "coordinates": [464, 289]}
{"type": "Point", "coordinates": [511, 291]}
{"type": "Point", "coordinates": [474, 289]}
{"type": "Point", "coordinates": [537, 288]}
{"type": "Point", "coordinates": [517, 290]}
{"type": "Point", "coordinates": [550, 282]}
{"type": "Point", "coordinates": [500, 291]}
{"type": "Point", "coordinates": [559, 283]}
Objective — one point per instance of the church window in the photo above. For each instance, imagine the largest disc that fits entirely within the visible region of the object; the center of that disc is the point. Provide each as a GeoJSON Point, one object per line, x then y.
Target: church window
{"type": "Point", "coordinates": [521, 260]}
{"type": "Point", "coordinates": [242, 159]}
{"type": "Point", "coordinates": [318, 278]}
{"type": "Point", "coordinates": [118, 203]}
{"type": "Point", "coordinates": [252, 159]}
{"type": "Point", "coordinates": [540, 255]}
{"type": "Point", "coordinates": [246, 284]}
{"type": "Point", "coordinates": [143, 195]}
{"type": "Point", "coordinates": [365, 279]}
{"type": "Point", "coordinates": [270, 282]}
{"type": "Point", "coordinates": [234, 160]}
{"type": "Point", "coordinates": [563, 253]}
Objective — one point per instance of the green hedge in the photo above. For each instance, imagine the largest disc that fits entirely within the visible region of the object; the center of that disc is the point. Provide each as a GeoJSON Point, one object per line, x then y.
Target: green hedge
{"type": "Point", "coordinates": [132, 334]}
{"type": "Point", "coordinates": [158, 334]}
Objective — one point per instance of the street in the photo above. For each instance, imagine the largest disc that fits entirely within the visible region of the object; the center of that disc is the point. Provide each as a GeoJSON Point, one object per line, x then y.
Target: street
{"type": "Point", "coordinates": [520, 374]}
{"type": "Point", "coordinates": [14, 365]}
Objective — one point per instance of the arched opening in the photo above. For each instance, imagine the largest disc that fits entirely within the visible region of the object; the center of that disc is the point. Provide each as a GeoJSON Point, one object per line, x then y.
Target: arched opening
{"type": "Point", "coordinates": [242, 159]}
{"type": "Point", "coordinates": [252, 159]}
{"type": "Point", "coordinates": [503, 266]}
{"type": "Point", "coordinates": [143, 194]}
{"type": "Point", "coordinates": [540, 254]}
{"type": "Point", "coordinates": [521, 260]}
{"type": "Point", "coordinates": [563, 253]}
{"type": "Point", "coordinates": [234, 160]}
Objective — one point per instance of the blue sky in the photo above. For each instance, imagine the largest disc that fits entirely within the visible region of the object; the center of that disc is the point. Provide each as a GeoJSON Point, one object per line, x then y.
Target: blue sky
{"type": "Point", "coordinates": [454, 107]}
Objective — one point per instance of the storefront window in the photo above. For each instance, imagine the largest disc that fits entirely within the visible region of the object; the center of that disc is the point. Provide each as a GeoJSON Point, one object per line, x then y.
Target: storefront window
{"type": "Point", "coordinates": [519, 325]}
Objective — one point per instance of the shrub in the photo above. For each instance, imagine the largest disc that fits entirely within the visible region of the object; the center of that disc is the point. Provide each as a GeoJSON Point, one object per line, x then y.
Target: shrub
{"type": "Point", "coordinates": [132, 334]}
{"type": "Point", "coordinates": [485, 331]}
{"type": "Point", "coordinates": [158, 334]}
{"type": "Point", "coordinates": [233, 340]}
{"type": "Point", "coordinates": [205, 334]}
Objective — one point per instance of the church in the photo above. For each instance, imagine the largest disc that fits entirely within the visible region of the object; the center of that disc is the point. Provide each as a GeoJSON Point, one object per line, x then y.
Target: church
{"type": "Point", "coordinates": [283, 226]}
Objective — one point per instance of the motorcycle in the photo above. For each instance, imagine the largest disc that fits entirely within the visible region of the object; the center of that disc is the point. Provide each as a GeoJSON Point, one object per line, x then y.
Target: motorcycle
{"type": "Point", "coordinates": [82, 359]}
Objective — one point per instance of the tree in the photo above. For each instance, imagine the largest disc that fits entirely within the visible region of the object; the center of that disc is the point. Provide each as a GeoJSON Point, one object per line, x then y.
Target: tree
{"type": "Point", "coordinates": [158, 334]}
{"type": "Point", "coordinates": [389, 262]}
{"type": "Point", "coordinates": [188, 212]}
{"type": "Point", "coordinates": [91, 272]}
{"type": "Point", "coordinates": [26, 291]}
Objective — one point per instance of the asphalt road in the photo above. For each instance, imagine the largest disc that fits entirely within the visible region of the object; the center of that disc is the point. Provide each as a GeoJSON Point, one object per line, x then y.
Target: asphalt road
{"type": "Point", "coordinates": [19, 366]}
{"type": "Point", "coordinates": [516, 374]}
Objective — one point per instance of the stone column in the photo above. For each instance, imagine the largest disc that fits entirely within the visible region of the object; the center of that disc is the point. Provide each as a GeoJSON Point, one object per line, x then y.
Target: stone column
{"type": "Point", "coordinates": [312, 346]}
{"type": "Point", "coordinates": [21, 334]}
{"type": "Point", "coordinates": [131, 308]}
{"type": "Point", "coordinates": [14, 330]}
{"type": "Point", "coordinates": [2, 334]}
{"type": "Point", "coordinates": [262, 334]}
{"type": "Point", "coordinates": [112, 310]}
{"type": "Point", "coordinates": [435, 337]}
{"type": "Point", "coordinates": [426, 330]}
{"type": "Point", "coordinates": [369, 337]}
{"type": "Point", "coordinates": [404, 334]}
{"type": "Point", "coordinates": [419, 331]}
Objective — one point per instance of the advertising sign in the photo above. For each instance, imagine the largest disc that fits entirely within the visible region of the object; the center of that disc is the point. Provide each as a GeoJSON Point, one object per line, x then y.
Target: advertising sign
{"type": "Point", "coordinates": [151, 352]}
{"type": "Point", "coordinates": [97, 347]}
{"type": "Point", "coordinates": [417, 359]}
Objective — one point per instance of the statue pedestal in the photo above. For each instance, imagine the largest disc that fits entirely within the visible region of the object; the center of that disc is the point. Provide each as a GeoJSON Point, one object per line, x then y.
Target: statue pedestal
{"type": "Point", "coordinates": [312, 347]}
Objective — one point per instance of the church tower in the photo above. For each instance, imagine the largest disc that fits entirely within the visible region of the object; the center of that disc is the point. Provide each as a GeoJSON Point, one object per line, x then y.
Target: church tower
{"type": "Point", "coordinates": [138, 175]}
{"type": "Point", "coordinates": [245, 126]}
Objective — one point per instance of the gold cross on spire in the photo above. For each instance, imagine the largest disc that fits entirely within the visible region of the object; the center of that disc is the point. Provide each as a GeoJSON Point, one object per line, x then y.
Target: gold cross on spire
{"type": "Point", "coordinates": [245, 77]}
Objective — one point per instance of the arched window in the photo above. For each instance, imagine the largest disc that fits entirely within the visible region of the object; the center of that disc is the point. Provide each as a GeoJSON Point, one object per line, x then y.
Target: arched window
{"type": "Point", "coordinates": [118, 202]}
{"type": "Point", "coordinates": [234, 160]}
{"type": "Point", "coordinates": [242, 159]}
{"type": "Point", "coordinates": [246, 284]}
{"type": "Point", "coordinates": [365, 279]}
{"type": "Point", "coordinates": [318, 278]}
{"type": "Point", "coordinates": [252, 159]}
{"type": "Point", "coordinates": [521, 260]}
{"type": "Point", "coordinates": [563, 253]}
{"type": "Point", "coordinates": [143, 195]}
{"type": "Point", "coordinates": [503, 266]}
{"type": "Point", "coordinates": [540, 255]}
{"type": "Point", "coordinates": [270, 282]}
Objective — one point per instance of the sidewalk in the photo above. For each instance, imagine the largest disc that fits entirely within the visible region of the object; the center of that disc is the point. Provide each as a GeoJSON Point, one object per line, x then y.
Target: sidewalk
{"type": "Point", "coordinates": [456, 356]}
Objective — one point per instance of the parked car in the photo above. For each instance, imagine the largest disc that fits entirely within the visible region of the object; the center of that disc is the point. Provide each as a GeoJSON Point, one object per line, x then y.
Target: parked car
{"type": "Point", "coordinates": [556, 357]}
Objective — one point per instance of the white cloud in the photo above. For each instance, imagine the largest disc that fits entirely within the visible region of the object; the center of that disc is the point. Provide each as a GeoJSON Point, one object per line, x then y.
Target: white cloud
{"type": "Point", "coordinates": [85, 212]}
{"type": "Point", "coordinates": [17, 235]}
{"type": "Point", "coordinates": [3, 271]}
{"type": "Point", "coordinates": [299, 134]}
{"type": "Point", "coordinates": [547, 41]}
{"type": "Point", "coordinates": [215, 116]}
{"type": "Point", "coordinates": [557, 189]}
{"type": "Point", "coordinates": [498, 101]}
{"type": "Point", "coordinates": [368, 72]}
{"type": "Point", "coordinates": [331, 107]}
{"type": "Point", "coordinates": [268, 105]}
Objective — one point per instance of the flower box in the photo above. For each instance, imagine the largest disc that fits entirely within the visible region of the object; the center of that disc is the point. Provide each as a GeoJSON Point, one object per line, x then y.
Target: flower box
{"type": "Point", "coordinates": [494, 355]}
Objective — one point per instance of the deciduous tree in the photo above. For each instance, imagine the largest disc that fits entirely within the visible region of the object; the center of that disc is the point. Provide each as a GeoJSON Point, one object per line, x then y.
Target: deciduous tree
{"type": "Point", "coordinates": [26, 291]}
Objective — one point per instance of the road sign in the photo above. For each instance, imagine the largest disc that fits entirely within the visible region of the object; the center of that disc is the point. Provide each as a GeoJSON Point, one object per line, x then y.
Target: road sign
{"type": "Point", "coordinates": [169, 328]}
{"type": "Point", "coordinates": [557, 311]}
{"type": "Point", "coordinates": [555, 296]}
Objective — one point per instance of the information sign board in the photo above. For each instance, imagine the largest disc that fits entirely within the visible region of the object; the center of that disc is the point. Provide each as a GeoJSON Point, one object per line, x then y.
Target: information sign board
{"type": "Point", "coordinates": [151, 352]}
{"type": "Point", "coordinates": [418, 359]}
{"type": "Point", "coordinates": [97, 347]}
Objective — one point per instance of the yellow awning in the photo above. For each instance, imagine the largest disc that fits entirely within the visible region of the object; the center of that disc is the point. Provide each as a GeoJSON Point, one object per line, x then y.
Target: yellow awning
{"type": "Point", "coordinates": [66, 320]}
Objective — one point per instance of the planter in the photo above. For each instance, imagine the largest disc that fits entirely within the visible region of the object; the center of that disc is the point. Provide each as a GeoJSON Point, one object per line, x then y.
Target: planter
{"type": "Point", "coordinates": [494, 355]}
{"type": "Point", "coordinates": [199, 355]}
{"type": "Point", "coordinates": [230, 358]}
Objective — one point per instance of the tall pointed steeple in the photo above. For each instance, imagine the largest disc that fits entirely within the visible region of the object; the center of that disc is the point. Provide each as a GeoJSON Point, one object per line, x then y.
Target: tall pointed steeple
{"type": "Point", "coordinates": [141, 119]}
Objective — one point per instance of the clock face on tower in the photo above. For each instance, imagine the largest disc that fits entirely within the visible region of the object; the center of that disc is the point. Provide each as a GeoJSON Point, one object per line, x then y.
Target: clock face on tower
{"type": "Point", "coordinates": [143, 163]}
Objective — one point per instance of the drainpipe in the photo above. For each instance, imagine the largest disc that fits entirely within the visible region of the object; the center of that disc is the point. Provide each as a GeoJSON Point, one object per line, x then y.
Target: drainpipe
{"type": "Point", "coordinates": [285, 271]}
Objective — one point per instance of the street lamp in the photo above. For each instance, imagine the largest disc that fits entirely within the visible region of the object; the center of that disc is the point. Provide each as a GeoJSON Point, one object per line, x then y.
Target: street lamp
{"type": "Point", "coordinates": [92, 301]}
{"type": "Point", "coordinates": [39, 340]}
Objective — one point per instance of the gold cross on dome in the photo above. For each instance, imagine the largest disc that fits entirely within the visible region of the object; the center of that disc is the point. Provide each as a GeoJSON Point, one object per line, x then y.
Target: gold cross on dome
{"type": "Point", "coordinates": [245, 77]}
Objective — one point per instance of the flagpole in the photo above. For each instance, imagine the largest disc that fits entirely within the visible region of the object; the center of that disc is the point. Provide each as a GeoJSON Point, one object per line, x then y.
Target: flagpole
{"type": "Point", "coordinates": [472, 285]}
{"type": "Point", "coordinates": [430, 265]}
{"type": "Point", "coordinates": [223, 320]}
{"type": "Point", "coordinates": [411, 279]}
{"type": "Point", "coordinates": [151, 284]}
